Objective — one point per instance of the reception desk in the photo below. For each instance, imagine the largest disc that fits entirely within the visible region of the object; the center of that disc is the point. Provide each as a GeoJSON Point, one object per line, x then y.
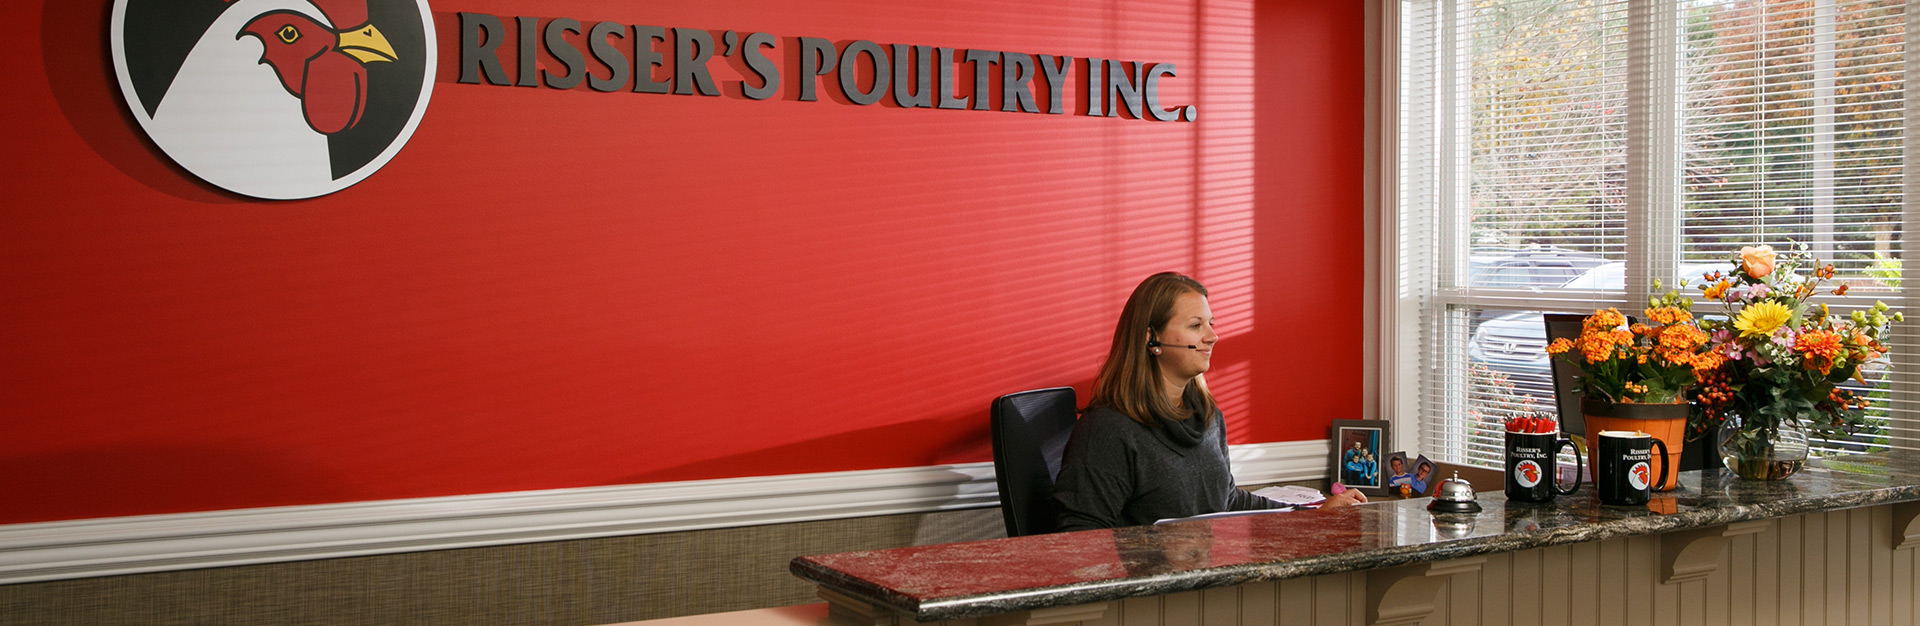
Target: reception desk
{"type": "Point", "coordinates": [1829, 546]}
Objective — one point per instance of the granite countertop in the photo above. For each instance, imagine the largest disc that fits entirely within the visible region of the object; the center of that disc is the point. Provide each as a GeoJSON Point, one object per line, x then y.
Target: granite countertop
{"type": "Point", "coordinates": [981, 578]}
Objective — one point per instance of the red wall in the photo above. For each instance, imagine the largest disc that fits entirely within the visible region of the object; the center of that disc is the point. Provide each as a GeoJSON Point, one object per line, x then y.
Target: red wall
{"type": "Point", "coordinates": [553, 289]}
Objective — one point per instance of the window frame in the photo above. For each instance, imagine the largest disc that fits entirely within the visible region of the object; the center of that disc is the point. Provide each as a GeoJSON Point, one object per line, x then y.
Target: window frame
{"type": "Point", "coordinates": [1654, 204]}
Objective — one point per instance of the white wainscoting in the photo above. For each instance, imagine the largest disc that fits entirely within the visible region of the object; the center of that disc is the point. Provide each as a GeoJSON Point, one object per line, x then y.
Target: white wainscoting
{"type": "Point", "coordinates": [152, 543]}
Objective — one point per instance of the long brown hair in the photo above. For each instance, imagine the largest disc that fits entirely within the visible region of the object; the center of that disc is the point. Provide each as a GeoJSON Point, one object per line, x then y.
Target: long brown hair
{"type": "Point", "coordinates": [1129, 381]}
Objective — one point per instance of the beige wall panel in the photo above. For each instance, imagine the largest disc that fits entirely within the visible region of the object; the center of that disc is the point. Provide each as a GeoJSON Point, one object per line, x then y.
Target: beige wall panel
{"type": "Point", "coordinates": [1259, 603]}
{"type": "Point", "coordinates": [1140, 611]}
{"type": "Point", "coordinates": [1836, 555]}
{"type": "Point", "coordinates": [1221, 607]}
{"type": "Point", "coordinates": [1687, 601]}
{"type": "Point", "coordinates": [1903, 581]}
{"type": "Point", "coordinates": [1641, 553]}
{"type": "Point", "coordinates": [1613, 589]}
{"type": "Point", "coordinates": [1524, 581]}
{"type": "Point", "coordinates": [1880, 564]}
{"type": "Point", "coordinates": [1711, 603]}
{"type": "Point", "coordinates": [1766, 576]}
{"type": "Point", "coordinates": [1553, 586]}
{"type": "Point", "coordinates": [1831, 568]}
{"type": "Point", "coordinates": [1791, 574]}
{"type": "Point", "coordinates": [1496, 591]}
{"type": "Point", "coordinates": [1583, 589]}
{"type": "Point", "coordinates": [1717, 590]}
{"type": "Point", "coordinates": [1180, 609]}
{"type": "Point", "coordinates": [1463, 594]}
{"type": "Point", "coordinates": [1112, 616]}
{"type": "Point", "coordinates": [1357, 599]}
{"type": "Point", "coordinates": [1330, 598]}
{"type": "Point", "coordinates": [1860, 566]}
{"type": "Point", "coordinates": [1665, 602]}
{"type": "Point", "coordinates": [1740, 556]}
{"type": "Point", "coordinates": [1296, 602]}
{"type": "Point", "coordinates": [1813, 574]}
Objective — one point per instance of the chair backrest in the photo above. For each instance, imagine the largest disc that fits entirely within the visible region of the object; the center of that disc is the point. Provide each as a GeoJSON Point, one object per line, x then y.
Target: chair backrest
{"type": "Point", "coordinates": [1030, 430]}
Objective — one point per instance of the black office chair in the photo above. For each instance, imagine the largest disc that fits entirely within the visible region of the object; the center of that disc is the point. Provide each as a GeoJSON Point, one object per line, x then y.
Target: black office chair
{"type": "Point", "coordinates": [1030, 430]}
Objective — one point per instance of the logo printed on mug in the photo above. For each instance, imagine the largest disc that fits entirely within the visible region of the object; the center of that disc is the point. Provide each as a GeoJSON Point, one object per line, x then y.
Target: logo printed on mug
{"type": "Point", "coordinates": [1637, 475]}
{"type": "Point", "coordinates": [1528, 473]}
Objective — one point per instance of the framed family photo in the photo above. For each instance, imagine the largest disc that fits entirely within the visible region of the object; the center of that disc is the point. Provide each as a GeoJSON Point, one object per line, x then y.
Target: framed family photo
{"type": "Point", "coordinates": [1359, 455]}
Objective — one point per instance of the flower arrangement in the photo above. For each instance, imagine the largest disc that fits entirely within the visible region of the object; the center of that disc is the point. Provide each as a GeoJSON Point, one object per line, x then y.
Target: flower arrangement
{"type": "Point", "coordinates": [1655, 362]}
{"type": "Point", "coordinates": [1784, 356]}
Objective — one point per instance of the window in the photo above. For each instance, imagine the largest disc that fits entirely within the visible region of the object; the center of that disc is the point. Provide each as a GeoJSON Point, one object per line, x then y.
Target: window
{"type": "Point", "coordinates": [1561, 155]}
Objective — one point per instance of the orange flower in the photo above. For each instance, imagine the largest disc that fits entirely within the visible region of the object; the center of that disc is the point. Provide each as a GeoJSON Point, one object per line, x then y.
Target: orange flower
{"type": "Point", "coordinates": [1596, 348]}
{"type": "Point", "coordinates": [1820, 348]}
{"type": "Point", "coordinates": [1840, 290]}
{"type": "Point", "coordinates": [1682, 337]}
{"type": "Point", "coordinates": [1602, 321]}
{"type": "Point", "coordinates": [1706, 362]}
{"type": "Point", "coordinates": [1667, 315]}
{"type": "Point", "coordinates": [1718, 290]}
{"type": "Point", "coordinates": [1560, 346]}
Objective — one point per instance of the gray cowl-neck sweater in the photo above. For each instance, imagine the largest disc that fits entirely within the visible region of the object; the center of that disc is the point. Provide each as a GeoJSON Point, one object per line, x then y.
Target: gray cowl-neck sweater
{"type": "Point", "coordinates": [1117, 472]}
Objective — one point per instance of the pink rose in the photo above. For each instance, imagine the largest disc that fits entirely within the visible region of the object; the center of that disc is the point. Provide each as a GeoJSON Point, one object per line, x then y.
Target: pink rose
{"type": "Point", "coordinates": [1757, 260]}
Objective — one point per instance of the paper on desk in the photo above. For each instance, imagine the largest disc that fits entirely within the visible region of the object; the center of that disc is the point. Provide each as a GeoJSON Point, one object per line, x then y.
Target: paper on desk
{"type": "Point", "coordinates": [1297, 496]}
{"type": "Point", "coordinates": [1292, 494]}
{"type": "Point", "coordinates": [1224, 514]}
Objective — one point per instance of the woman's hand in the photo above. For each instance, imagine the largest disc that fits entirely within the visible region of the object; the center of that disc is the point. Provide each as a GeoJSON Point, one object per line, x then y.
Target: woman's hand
{"type": "Point", "coordinates": [1349, 497]}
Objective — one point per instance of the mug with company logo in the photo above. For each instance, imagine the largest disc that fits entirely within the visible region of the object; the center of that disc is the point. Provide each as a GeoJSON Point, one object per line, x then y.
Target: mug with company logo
{"type": "Point", "coordinates": [1625, 459]}
{"type": "Point", "coordinates": [1530, 468]}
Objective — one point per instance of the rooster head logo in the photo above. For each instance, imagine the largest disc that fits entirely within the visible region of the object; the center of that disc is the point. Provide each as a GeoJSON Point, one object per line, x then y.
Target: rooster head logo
{"type": "Point", "coordinates": [279, 99]}
{"type": "Point", "coordinates": [1527, 473]}
{"type": "Point", "coordinates": [1638, 475]}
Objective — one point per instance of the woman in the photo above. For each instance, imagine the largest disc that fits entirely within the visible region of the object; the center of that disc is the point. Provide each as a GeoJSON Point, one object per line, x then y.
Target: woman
{"type": "Point", "coordinates": [1152, 445]}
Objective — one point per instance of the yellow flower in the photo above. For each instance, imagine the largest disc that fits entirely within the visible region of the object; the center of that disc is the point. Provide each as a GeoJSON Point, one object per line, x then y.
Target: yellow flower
{"type": "Point", "coordinates": [1759, 320]}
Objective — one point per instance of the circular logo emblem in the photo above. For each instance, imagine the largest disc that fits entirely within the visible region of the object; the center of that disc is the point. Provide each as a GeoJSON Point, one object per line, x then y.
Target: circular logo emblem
{"type": "Point", "coordinates": [1527, 473]}
{"type": "Point", "coordinates": [276, 99]}
{"type": "Point", "coordinates": [1637, 476]}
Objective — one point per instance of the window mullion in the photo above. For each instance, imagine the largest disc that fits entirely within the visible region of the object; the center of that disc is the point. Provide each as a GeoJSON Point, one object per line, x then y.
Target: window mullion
{"type": "Point", "coordinates": [1653, 144]}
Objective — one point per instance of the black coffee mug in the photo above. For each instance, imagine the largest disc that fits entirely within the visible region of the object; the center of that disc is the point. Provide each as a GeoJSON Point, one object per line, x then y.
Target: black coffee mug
{"type": "Point", "coordinates": [1531, 469]}
{"type": "Point", "coordinates": [1626, 467]}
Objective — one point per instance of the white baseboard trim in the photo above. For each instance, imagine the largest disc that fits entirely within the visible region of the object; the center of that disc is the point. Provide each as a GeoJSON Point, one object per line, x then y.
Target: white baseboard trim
{"type": "Point", "coordinates": [153, 543]}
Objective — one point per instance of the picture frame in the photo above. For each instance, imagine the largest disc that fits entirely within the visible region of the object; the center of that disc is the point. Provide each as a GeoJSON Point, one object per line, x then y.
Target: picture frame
{"type": "Point", "coordinates": [1359, 454]}
{"type": "Point", "coordinates": [1399, 471]}
{"type": "Point", "coordinates": [1426, 476]}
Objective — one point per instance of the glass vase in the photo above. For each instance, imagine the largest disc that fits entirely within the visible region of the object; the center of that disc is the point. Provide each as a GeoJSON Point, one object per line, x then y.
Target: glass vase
{"type": "Point", "coordinates": [1755, 450]}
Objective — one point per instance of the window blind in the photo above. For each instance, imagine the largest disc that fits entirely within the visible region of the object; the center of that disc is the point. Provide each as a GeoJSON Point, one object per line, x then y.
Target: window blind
{"type": "Point", "coordinates": [1516, 148]}
{"type": "Point", "coordinates": [1523, 198]}
{"type": "Point", "coordinates": [1792, 136]}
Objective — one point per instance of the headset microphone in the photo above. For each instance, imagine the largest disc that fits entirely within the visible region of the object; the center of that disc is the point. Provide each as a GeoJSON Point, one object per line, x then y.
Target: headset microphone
{"type": "Point", "coordinates": [1155, 343]}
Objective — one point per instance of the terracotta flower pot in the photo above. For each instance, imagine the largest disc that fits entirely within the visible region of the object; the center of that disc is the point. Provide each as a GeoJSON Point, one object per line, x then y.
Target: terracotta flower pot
{"type": "Point", "coordinates": [1666, 422]}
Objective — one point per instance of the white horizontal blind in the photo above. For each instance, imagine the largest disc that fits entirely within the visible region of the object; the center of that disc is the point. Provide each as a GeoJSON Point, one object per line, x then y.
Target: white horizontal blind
{"type": "Point", "coordinates": [1518, 111]}
{"type": "Point", "coordinates": [1792, 136]}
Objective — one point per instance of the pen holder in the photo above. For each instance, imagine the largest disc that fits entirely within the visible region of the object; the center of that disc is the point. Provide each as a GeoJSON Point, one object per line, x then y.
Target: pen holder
{"type": "Point", "coordinates": [1530, 468]}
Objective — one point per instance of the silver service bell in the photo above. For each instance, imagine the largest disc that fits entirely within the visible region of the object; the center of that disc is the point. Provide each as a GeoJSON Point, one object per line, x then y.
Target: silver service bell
{"type": "Point", "coordinates": [1454, 495]}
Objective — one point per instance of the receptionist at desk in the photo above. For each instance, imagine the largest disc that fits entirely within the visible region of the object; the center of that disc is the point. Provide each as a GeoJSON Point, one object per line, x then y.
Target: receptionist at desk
{"type": "Point", "coordinates": [1152, 444]}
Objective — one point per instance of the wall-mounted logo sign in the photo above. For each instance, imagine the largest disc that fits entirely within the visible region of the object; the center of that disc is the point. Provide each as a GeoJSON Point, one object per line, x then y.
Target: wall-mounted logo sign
{"type": "Point", "coordinates": [278, 99]}
{"type": "Point", "coordinates": [915, 76]}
